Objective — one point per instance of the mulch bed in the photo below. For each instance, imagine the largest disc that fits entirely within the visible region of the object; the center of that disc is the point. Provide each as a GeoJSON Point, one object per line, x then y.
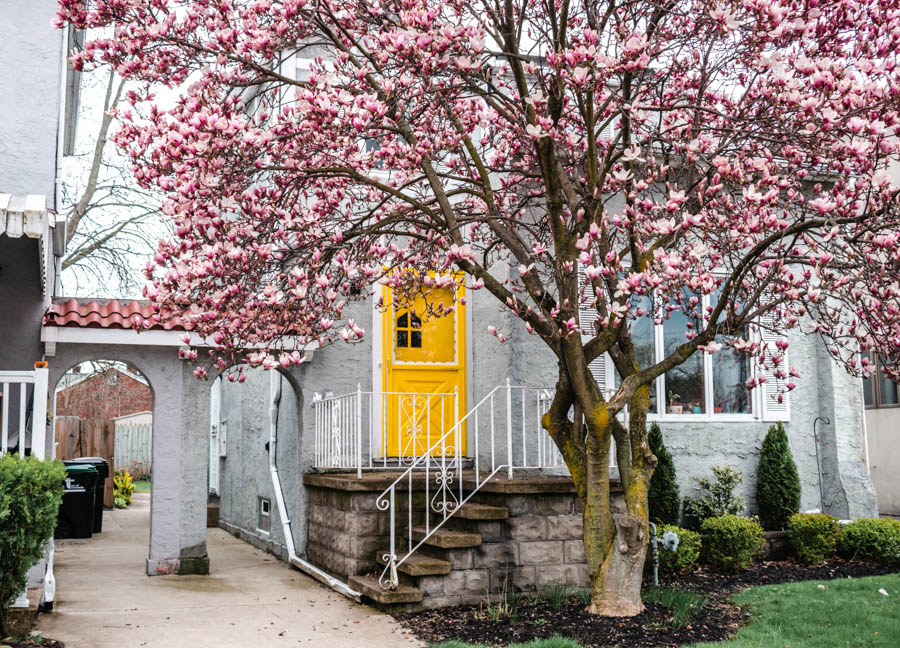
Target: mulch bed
{"type": "Point", "coordinates": [718, 620]}
{"type": "Point", "coordinates": [31, 642]}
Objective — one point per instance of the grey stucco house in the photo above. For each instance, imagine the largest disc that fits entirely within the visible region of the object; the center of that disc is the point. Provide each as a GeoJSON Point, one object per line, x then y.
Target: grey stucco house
{"type": "Point", "coordinates": [359, 453]}
{"type": "Point", "coordinates": [338, 430]}
{"type": "Point", "coordinates": [424, 434]}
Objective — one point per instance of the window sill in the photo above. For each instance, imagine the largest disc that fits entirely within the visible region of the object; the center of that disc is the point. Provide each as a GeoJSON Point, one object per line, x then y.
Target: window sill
{"type": "Point", "coordinates": [710, 418]}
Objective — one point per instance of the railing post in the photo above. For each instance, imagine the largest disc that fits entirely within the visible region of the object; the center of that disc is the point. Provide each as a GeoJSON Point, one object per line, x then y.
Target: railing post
{"type": "Point", "coordinates": [358, 431]}
{"type": "Point", "coordinates": [509, 448]}
{"type": "Point", "coordinates": [39, 415]}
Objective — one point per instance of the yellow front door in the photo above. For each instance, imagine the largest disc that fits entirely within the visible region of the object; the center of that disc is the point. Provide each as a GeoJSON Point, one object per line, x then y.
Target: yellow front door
{"type": "Point", "coordinates": [424, 374]}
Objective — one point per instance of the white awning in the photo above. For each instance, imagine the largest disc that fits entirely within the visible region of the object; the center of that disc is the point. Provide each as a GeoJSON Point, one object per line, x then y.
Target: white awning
{"type": "Point", "coordinates": [23, 215]}
{"type": "Point", "coordinates": [28, 216]}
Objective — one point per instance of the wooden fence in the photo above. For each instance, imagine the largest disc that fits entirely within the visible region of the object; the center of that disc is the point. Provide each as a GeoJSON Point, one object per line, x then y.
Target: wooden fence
{"type": "Point", "coordinates": [77, 437]}
{"type": "Point", "coordinates": [133, 448]}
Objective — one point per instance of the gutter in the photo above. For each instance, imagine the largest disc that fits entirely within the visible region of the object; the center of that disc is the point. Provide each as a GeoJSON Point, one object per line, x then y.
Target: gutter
{"type": "Point", "coordinates": [295, 560]}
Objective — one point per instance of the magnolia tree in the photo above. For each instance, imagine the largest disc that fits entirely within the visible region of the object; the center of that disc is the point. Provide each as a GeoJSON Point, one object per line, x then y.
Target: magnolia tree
{"type": "Point", "coordinates": [670, 150]}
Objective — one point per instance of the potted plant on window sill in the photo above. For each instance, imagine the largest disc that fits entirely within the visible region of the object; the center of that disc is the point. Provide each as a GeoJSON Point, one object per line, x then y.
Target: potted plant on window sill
{"type": "Point", "coordinates": [675, 406]}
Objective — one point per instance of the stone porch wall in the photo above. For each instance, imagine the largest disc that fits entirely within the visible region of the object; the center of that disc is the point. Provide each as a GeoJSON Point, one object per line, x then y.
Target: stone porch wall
{"type": "Point", "coordinates": [539, 545]}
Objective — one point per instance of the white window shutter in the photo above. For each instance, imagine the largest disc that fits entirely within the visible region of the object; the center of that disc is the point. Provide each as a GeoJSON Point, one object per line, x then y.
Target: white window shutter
{"type": "Point", "coordinates": [771, 409]}
{"type": "Point", "coordinates": [601, 367]}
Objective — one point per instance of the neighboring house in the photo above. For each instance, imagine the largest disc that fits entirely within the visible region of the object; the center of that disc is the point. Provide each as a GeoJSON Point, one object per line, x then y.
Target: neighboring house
{"type": "Point", "coordinates": [111, 393]}
{"type": "Point", "coordinates": [32, 238]}
{"type": "Point", "coordinates": [882, 398]}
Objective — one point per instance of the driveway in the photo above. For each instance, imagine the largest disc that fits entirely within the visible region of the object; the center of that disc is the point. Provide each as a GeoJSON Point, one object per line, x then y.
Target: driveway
{"type": "Point", "coordinates": [250, 599]}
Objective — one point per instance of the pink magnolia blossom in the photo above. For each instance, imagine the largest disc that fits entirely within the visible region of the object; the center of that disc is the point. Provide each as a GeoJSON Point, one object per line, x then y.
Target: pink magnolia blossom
{"type": "Point", "coordinates": [735, 154]}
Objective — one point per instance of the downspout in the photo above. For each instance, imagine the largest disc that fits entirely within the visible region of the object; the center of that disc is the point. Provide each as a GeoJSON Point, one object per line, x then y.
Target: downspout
{"type": "Point", "coordinates": [865, 427]}
{"type": "Point", "coordinates": [293, 558]}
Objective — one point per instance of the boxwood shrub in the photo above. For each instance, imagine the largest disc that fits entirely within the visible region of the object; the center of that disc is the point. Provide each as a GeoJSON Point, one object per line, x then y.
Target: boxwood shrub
{"type": "Point", "coordinates": [815, 536]}
{"type": "Point", "coordinates": [876, 539]}
{"type": "Point", "coordinates": [687, 553]}
{"type": "Point", "coordinates": [30, 493]}
{"type": "Point", "coordinates": [732, 542]}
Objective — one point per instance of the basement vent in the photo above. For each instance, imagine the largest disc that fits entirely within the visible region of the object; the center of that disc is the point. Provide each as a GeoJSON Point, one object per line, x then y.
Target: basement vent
{"type": "Point", "coordinates": [264, 519]}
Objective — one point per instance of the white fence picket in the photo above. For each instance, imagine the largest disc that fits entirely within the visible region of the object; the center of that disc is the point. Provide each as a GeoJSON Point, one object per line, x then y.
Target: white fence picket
{"type": "Point", "coordinates": [133, 448]}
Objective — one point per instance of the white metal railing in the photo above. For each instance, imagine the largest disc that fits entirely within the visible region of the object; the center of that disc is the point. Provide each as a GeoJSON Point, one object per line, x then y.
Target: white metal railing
{"type": "Point", "coordinates": [504, 433]}
{"type": "Point", "coordinates": [423, 435]}
{"type": "Point", "coordinates": [350, 429]}
{"type": "Point", "coordinates": [23, 393]}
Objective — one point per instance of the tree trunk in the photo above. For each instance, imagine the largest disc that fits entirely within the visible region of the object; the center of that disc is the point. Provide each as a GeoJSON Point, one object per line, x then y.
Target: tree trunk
{"type": "Point", "coordinates": [615, 544]}
{"type": "Point", "coordinates": [616, 583]}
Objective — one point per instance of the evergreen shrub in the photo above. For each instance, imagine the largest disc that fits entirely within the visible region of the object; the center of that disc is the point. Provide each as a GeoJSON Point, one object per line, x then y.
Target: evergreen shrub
{"type": "Point", "coordinates": [716, 497]}
{"type": "Point", "coordinates": [663, 495]}
{"type": "Point", "coordinates": [732, 542]}
{"type": "Point", "coordinates": [777, 482]}
{"type": "Point", "coordinates": [876, 539]}
{"type": "Point", "coordinates": [31, 491]}
{"type": "Point", "coordinates": [815, 536]}
{"type": "Point", "coordinates": [685, 556]}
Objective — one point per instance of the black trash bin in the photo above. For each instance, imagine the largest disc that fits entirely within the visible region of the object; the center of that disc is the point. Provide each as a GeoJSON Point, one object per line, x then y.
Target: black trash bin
{"type": "Point", "coordinates": [76, 513]}
{"type": "Point", "coordinates": [102, 467]}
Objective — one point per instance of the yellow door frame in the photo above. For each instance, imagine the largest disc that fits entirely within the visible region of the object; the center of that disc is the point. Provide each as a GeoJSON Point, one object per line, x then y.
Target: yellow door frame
{"type": "Point", "coordinates": [423, 357]}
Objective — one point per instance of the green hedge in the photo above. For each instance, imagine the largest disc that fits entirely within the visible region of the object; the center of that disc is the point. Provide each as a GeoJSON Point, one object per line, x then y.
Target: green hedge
{"type": "Point", "coordinates": [815, 536]}
{"type": "Point", "coordinates": [687, 553]}
{"type": "Point", "coordinates": [732, 542]}
{"type": "Point", "coordinates": [30, 494]}
{"type": "Point", "coordinates": [876, 539]}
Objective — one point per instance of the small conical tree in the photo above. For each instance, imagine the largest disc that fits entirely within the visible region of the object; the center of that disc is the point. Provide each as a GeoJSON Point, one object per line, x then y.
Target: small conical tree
{"type": "Point", "coordinates": [777, 482]}
{"type": "Point", "coordinates": [663, 496]}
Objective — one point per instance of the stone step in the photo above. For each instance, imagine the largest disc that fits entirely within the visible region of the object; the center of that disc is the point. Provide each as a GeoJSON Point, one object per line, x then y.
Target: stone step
{"type": "Point", "coordinates": [370, 587]}
{"type": "Point", "coordinates": [448, 538]}
{"type": "Point", "coordinates": [472, 511]}
{"type": "Point", "coordinates": [418, 564]}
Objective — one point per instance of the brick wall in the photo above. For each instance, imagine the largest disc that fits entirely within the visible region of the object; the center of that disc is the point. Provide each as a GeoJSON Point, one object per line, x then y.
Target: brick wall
{"type": "Point", "coordinates": [94, 397]}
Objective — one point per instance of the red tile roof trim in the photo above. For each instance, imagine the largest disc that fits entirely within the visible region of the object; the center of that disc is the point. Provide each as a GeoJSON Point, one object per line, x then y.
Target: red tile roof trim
{"type": "Point", "coordinates": [107, 314]}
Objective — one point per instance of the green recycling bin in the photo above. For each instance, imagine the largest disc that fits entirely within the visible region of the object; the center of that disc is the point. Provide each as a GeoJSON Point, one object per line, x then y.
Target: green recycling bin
{"type": "Point", "coordinates": [76, 513]}
{"type": "Point", "coordinates": [99, 487]}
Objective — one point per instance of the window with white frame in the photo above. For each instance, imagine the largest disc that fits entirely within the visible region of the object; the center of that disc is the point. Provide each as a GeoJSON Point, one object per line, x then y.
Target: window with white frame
{"type": "Point", "coordinates": [707, 385]}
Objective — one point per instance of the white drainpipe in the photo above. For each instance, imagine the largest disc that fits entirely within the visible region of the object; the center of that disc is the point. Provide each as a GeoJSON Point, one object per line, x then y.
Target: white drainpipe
{"type": "Point", "coordinates": [293, 558]}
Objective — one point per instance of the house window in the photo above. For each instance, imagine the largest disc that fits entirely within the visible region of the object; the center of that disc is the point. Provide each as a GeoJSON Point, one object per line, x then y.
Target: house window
{"type": "Point", "coordinates": [264, 519]}
{"type": "Point", "coordinates": [705, 383]}
{"type": "Point", "coordinates": [878, 389]}
{"type": "Point", "coordinates": [409, 331]}
{"type": "Point", "coordinates": [643, 336]}
{"type": "Point", "coordinates": [685, 385]}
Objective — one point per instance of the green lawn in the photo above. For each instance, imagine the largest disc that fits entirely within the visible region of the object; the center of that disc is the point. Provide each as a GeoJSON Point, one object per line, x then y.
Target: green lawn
{"type": "Point", "coordinates": [847, 613]}
{"type": "Point", "coordinates": [142, 486]}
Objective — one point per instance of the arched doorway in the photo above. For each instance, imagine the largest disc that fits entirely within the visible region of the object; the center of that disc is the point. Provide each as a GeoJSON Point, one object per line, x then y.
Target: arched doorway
{"type": "Point", "coordinates": [79, 331]}
{"type": "Point", "coordinates": [104, 408]}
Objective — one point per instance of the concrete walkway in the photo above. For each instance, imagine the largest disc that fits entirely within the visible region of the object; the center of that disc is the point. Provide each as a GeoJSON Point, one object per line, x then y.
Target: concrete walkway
{"type": "Point", "coordinates": [249, 600]}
